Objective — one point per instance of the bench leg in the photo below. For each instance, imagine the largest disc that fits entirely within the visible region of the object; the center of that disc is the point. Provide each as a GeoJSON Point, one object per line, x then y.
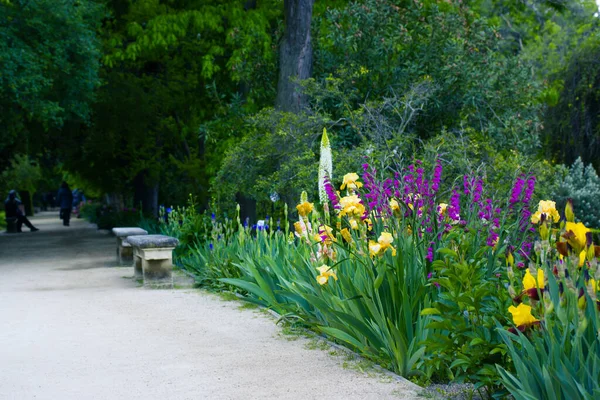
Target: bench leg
{"type": "Point", "coordinates": [124, 254]}
{"type": "Point", "coordinates": [158, 273]}
{"type": "Point", "coordinates": [137, 267]}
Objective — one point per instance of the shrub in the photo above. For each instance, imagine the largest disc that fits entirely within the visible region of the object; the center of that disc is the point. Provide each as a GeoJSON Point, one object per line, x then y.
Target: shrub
{"type": "Point", "coordinates": [108, 217]}
{"type": "Point", "coordinates": [582, 184]}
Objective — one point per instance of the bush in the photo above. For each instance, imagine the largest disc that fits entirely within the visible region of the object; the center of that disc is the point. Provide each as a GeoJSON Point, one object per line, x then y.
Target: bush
{"type": "Point", "coordinates": [582, 184]}
{"type": "Point", "coordinates": [108, 217]}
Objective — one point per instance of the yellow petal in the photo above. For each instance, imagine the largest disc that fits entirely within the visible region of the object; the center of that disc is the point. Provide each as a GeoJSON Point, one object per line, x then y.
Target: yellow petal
{"type": "Point", "coordinates": [528, 281]}
{"type": "Point", "coordinates": [522, 315]}
{"type": "Point", "coordinates": [346, 235]}
{"type": "Point", "coordinates": [385, 239]}
{"type": "Point", "coordinates": [540, 278]}
{"type": "Point", "coordinates": [582, 258]}
{"type": "Point", "coordinates": [374, 248]}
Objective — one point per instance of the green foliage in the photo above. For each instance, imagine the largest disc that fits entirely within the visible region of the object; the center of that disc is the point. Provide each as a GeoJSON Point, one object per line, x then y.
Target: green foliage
{"type": "Point", "coordinates": [582, 184]}
{"type": "Point", "coordinates": [49, 64]}
{"type": "Point", "coordinates": [178, 77]}
{"type": "Point", "coordinates": [22, 174]}
{"type": "Point", "coordinates": [443, 63]}
{"type": "Point", "coordinates": [470, 153]}
{"type": "Point", "coordinates": [464, 345]}
{"type": "Point", "coordinates": [571, 123]}
{"type": "Point", "coordinates": [186, 224]}
{"type": "Point", "coordinates": [108, 217]}
{"type": "Point", "coordinates": [278, 155]}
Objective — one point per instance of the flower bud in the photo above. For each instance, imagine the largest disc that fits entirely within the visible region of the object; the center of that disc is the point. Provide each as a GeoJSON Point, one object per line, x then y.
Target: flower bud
{"type": "Point", "coordinates": [569, 215]}
{"type": "Point", "coordinates": [544, 231]}
{"type": "Point", "coordinates": [510, 259]}
{"type": "Point", "coordinates": [511, 292]}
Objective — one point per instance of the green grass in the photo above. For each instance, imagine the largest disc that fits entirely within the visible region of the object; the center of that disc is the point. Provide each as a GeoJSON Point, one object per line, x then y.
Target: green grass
{"type": "Point", "coordinates": [2, 220]}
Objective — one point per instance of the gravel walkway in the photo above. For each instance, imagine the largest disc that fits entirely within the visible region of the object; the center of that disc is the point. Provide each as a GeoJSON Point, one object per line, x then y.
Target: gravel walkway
{"type": "Point", "coordinates": [73, 326]}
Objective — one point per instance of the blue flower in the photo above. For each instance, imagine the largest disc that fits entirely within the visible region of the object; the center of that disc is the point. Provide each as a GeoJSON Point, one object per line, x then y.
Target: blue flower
{"type": "Point", "coordinates": [211, 247]}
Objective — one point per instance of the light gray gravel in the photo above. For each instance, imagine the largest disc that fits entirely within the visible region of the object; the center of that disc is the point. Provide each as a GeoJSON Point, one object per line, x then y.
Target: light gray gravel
{"type": "Point", "coordinates": [72, 327]}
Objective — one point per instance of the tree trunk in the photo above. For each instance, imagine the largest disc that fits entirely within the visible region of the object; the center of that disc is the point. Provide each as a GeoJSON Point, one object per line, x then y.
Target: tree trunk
{"type": "Point", "coordinates": [145, 194]}
{"type": "Point", "coordinates": [295, 58]}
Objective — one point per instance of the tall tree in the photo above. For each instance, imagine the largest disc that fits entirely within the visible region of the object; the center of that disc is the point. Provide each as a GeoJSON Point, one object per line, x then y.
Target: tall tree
{"type": "Point", "coordinates": [174, 72]}
{"type": "Point", "coordinates": [49, 61]}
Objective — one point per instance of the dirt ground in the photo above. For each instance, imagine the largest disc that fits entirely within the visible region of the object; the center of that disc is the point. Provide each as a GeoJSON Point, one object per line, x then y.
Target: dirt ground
{"type": "Point", "coordinates": [74, 326]}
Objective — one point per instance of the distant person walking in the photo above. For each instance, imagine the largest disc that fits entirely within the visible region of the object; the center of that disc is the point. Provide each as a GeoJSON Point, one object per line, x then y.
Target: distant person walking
{"type": "Point", "coordinates": [12, 207]}
{"type": "Point", "coordinates": [64, 198]}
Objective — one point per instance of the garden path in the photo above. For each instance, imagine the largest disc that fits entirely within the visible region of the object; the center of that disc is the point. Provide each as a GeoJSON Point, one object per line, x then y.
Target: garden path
{"type": "Point", "coordinates": [74, 327]}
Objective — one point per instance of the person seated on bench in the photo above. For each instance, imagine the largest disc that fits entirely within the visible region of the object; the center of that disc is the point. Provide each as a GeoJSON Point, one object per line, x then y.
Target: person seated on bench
{"type": "Point", "coordinates": [13, 210]}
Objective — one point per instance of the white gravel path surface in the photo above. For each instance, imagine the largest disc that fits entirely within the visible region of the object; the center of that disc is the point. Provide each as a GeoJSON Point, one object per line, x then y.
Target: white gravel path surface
{"type": "Point", "coordinates": [72, 326]}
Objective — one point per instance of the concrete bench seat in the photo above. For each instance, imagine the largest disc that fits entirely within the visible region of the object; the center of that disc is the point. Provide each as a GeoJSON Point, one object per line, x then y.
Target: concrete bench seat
{"type": "Point", "coordinates": [124, 250]}
{"type": "Point", "coordinates": [11, 225]}
{"type": "Point", "coordinates": [153, 259]}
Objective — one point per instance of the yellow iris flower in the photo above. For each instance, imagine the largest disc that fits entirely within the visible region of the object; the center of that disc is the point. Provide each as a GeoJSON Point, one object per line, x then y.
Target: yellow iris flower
{"type": "Point", "coordinates": [394, 205]}
{"type": "Point", "coordinates": [304, 208]}
{"type": "Point", "coordinates": [325, 273]}
{"type": "Point", "coordinates": [521, 315]}
{"type": "Point", "coordinates": [548, 208]}
{"type": "Point", "coordinates": [582, 258]}
{"type": "Point", "coordinates": [346, 235]}
{"type": "Point", "coordinates": [325, 235]}
{"type": "Point", "coordinates": [352, 206]}
{"type": "Point", "coordinates": [576, 235]}
{"type": "Point", "coordinates": [298, 228]}
{"type": "Point", "coordinates": [383, 243]}
{"type": "Point", "coordinates": [351, 181]}
{"type": "Point", "coordinates": [529, 282]}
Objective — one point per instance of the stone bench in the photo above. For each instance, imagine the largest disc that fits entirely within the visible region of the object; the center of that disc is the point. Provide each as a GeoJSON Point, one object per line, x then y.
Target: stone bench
{"type": "Point", "coordinates": [11, 224]}
{"type": "Point", "coordinates": [124, 251]}
{"type": "Point", "coordinates": [153, 259]}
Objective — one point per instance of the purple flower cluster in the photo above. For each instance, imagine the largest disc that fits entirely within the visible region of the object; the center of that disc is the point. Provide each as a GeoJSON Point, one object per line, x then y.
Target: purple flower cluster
{"type": "Point", "coordinates": [331, 194]}
{"type": "Point", "coordinates": [488, 214]}
{"type": "Point", "coordinates": [454, 206]}
{"type": "Point", "coordinates": [377, 193]}
{"type": "Point", "coordinates": [437, 176]}
{"type": "Point", "coordinates": [429, 256]}
{"type": "Point", "coordinates": [521, 194]}
{"type": "Point", "coordinates": [417, 190]}
{"type": "Point", "coordinates": [517, 189]}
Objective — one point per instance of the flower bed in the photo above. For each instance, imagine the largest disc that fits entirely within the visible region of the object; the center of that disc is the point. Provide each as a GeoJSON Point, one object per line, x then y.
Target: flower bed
{"type": "Point", "coordinates": [473, 289]}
